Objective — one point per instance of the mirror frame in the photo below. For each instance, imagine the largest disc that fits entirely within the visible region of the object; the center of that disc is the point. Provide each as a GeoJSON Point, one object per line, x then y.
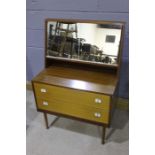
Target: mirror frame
{"type": "Point", "coordinates": [114, 23]}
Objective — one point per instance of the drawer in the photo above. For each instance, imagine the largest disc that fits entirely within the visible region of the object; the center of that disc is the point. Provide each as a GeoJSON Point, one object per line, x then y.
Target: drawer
{"type": "Point", "coordinates": [66, 95]}
{"type": "Point", "coordinates": [79, 111]}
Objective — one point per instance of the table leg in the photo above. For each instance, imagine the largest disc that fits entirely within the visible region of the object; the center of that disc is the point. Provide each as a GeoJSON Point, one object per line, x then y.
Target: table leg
{"type": "Point", "coordinates": [46, 120]}
{"type": "Point", "coordinates": [103, 135]}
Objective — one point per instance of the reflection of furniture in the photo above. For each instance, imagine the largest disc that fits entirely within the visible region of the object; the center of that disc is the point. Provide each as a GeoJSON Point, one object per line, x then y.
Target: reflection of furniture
{"type": "Point", "coordinates": [68, 48]}
{"type": "Point", "coordinates": [66, 28]}
{"type": "Point", "coordinates": [78, 90]}
{"type": "Point", "coordinates": [78, 46]}
{"type": "Point", "coordinates": [89, 52]}
{"type": "Point", "coordinates": [50, 31]}
{"type": "Point", "coordinates": [86, 48]}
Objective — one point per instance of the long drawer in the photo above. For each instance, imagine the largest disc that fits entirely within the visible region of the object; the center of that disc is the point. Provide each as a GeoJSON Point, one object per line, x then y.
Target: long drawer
{"type": "Point", "coordinates": [66, 95]}
{"type": "Point", "coordinates": [76, 110]}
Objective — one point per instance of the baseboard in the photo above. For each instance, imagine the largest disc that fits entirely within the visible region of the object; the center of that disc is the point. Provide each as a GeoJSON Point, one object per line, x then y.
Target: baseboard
{"type": "Point", "coordinates": [122, 103]}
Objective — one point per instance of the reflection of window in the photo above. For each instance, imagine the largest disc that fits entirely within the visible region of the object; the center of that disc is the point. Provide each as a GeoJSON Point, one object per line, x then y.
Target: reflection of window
{"type": "Point", "coordinates": [110, 38]}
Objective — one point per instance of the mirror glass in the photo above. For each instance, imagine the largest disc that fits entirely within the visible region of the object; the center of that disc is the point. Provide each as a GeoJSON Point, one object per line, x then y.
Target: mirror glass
{"type": "Point", "coordinates": [91, 42]}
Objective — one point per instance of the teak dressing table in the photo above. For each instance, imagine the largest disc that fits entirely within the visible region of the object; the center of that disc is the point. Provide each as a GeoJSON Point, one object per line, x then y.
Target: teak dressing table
{"type": "Point", "coordinates": [80, 79]}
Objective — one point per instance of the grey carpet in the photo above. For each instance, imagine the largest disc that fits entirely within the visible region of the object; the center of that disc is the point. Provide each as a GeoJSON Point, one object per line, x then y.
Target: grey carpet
{"type": "Point", "coordinates": [70, 137]}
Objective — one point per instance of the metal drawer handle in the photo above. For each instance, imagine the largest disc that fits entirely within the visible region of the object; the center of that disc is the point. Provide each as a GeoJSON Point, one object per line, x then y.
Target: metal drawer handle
{"type": "Point", "coordinates": [45, 103]}
{"type": "Point", "coordinates": [43, 90]}
{"type": "Point", "coordinates": [97, 114]}
{"type": "Point", "coordinates": [98, 100]}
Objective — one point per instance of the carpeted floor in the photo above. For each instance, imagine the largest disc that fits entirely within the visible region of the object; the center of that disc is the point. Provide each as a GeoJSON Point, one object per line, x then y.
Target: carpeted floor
{"type": "Point", "coordinates": [70, 137]}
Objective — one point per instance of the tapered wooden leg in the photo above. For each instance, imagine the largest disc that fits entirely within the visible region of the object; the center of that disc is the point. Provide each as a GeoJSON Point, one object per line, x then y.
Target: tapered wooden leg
{"type": "Point", "coordinates": [46, 120]}
{"type": "Point", "coordinates": [103, 135]}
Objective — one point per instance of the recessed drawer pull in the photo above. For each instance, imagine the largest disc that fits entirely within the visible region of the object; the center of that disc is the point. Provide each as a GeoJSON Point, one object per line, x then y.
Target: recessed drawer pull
{"type": "Point", "coordinates": [97, 100]}
{"type": "Point", "coordinates": [97, 114]}
{"type": "Point", "coordinates": [43, 90]}
{"type": "Point", "coordinates": [45, 103]}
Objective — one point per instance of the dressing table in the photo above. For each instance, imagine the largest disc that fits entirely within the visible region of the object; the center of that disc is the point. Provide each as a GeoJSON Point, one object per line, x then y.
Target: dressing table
{"type": "Point", "coordinates": [81, 75]}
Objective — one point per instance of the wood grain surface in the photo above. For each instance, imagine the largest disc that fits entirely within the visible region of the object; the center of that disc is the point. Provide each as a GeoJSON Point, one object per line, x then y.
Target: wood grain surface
{"type": "Point", "coordinates": [77, 110]}
{"type": "Point", "coordinates": [70, 96]}
{"type": "Point", "coordinates": [98, 82]}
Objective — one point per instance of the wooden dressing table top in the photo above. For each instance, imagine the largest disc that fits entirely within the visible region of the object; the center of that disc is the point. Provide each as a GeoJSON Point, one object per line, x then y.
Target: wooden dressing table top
{"type": "Point", "coordinates": [98, 82]}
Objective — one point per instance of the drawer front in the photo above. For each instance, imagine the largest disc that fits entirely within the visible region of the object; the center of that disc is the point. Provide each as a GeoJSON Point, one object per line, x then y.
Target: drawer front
{"type": "Point", "coordinates": [79, 111]}
{"type": "Point", "coordinates": [66, 95]}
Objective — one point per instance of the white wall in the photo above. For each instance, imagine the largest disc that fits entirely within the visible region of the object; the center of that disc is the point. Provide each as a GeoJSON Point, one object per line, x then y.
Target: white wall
{"type": "Point", "coordinates": [87, 31]}
{"type": "Point", "coordinates": [97, 36]}
{"type": "Point", "coordinates": [108, 48]}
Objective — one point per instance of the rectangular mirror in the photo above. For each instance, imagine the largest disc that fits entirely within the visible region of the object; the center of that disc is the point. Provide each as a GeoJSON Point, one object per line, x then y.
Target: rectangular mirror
{"type": "Point", "coordinates": [93, 42]}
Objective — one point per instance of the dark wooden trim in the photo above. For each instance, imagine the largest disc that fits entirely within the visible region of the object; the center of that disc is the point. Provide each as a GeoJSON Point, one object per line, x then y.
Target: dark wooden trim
{"type": "Point", "coordinates": [120, 51]}
{"type": "Point", "coordinates": [103, 134]}
{"type": "Point", "coordinates": [113, 103]}
{"type": "Point", "coordinates": [34, 94]}
{"type": "Point", "coordinates": [45, 62]}
{"type": "Point", "coordinates": [46, 120]}
{"type": "Point", "coordinates": [110, 110]}
{"type": "Point", "coordinates": [87, 21]}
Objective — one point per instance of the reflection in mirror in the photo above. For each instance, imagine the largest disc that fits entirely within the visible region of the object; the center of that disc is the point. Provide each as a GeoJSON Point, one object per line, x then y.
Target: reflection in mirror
{"type": "Point", "coordinates": [91, 42]}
